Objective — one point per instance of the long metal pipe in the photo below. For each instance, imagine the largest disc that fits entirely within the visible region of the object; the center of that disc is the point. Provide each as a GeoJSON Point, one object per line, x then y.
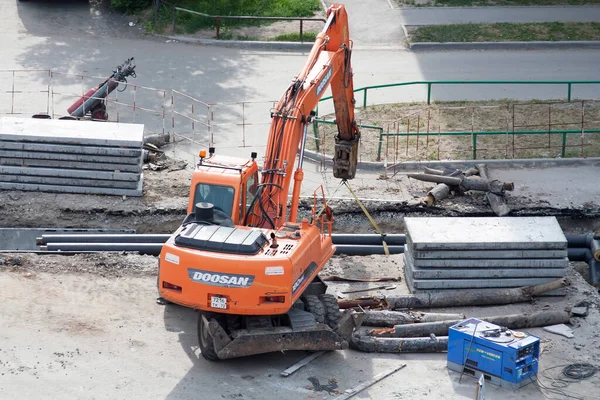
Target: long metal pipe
{"type": "Point", "coordinates": [575, 254]}
{"type": "Point", "coordinates": [102, 238]}
{"type": "Point", "coordinates": [365, 250]}
{"type": "Point", "coordinates": [142, 248]}
{"type": "Point", "coordinates": [338, 238]}
{"type": "Point", "coordinates": [367, 239]}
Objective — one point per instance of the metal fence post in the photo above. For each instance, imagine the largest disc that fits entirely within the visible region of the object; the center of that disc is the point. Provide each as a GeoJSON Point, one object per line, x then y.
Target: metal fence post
{"type": "Point", "coordinates": [380, 144]}
{"type": "Point", "coordinates": [474, 146]}
{"type": "Point", "coordinates": [569, 92]}
{"type": "Point", "coordinates": [218, 23]}
{"type": "Point", "coordinates": [174, 17]}
{"type": "Point", "coordinates": [301, 30]}
{"type": "Point", "coordinates": [428, 93]}
{"type": "Point", "coordinates": [364, 97]}
{"type": "Point", "coordinates": [316, 133]}
{"type": "Point", "coordinates": [564, 144]}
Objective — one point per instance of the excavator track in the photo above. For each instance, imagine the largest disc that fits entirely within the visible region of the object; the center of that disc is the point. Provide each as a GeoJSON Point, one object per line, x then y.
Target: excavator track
{"type": "Point", "coordinates": [259, 335]}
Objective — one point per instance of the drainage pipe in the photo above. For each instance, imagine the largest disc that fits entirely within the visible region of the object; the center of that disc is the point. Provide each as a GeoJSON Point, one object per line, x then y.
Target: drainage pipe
{"type": "Point", "coordinates": [575, 241]}
{"type": "Point", "coordinates": [368, 239]}
{"type": "Point", "coordinates": [342, 239]}
{"type": "Point", "coordinates": [365, 250]}
{"type": "Point", "coordinates": [142, 248]}
{"type": "Point", "coordinates": [101, 238]}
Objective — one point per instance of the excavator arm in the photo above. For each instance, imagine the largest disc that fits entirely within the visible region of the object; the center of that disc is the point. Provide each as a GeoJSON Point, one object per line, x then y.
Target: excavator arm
{"type": "Point", "coordinates": [328, 65]}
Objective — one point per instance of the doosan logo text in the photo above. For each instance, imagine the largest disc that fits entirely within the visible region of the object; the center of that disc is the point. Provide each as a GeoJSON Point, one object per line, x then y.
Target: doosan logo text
{"type": "Point", "coordinates": [216, 279]}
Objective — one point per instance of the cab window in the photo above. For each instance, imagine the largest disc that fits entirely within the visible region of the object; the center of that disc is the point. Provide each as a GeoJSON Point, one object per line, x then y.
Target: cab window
{"type": "Point", "coordinates": [220, 196]}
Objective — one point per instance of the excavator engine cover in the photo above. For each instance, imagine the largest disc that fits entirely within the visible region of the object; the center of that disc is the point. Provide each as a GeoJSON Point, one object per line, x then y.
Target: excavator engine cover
{"type": "Point", "coordinates": [345, 159]}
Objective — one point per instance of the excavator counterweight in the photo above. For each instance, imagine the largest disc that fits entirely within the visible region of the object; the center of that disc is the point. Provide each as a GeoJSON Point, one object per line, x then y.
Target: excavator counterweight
{"type": "Point", "coordinates": [240, 257]}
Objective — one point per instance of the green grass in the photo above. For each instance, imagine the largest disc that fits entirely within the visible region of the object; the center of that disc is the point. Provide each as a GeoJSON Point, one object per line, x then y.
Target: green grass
{"type": "Point", "coordinates": [295, 37]}
{"type": "Point", "coordinates": [507, 32]}
{"type": "Point", "coordinates": [189, 23]}
{"type": "Point", "coordinates": [466, 3]}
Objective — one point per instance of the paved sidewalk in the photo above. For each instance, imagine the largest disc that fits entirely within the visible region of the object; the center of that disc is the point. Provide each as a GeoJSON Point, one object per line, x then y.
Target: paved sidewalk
{"type": "Point", "coordinates": [373, 23]}
{"type": "Point", "coordinates": [465, 15]}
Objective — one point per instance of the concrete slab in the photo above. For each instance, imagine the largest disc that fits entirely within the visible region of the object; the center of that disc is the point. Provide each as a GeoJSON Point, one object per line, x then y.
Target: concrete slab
{"type": "Point", "coordinates": [71, 173]}
{"type": "Point", "coordinates": [73, 149]}
{"type": "Point", "coordinates": [488, 254]}
{"type": "Point", "coordinates": [73, 189]}
{"type": "Point", "coordinates": [38, 155]}
{"type": "Point", "coordinates": [560, 329]}
{"type": "Point", "coordinates": [68, 181]}
{"type": "Point", "coordinates": [539, 263]}
{"type": "Point", "coordinates": [457, 273]}
{"type": "Point", "coordinates": [485, 233]}
{"type": "Point", "coordinates": [441, 284]}
{"type": "Point", "coordinates": [71, 132]}
{"type": "Point", "coordinates": [29, 162]}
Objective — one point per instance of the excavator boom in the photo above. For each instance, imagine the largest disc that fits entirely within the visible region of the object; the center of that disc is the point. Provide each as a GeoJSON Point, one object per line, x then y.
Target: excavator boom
{"type": "Point", "coordinates": [328, 64]}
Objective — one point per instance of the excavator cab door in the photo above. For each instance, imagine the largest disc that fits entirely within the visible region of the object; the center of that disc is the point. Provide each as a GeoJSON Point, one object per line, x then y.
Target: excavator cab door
{"type": "Point", "coordinates": [249, 192]}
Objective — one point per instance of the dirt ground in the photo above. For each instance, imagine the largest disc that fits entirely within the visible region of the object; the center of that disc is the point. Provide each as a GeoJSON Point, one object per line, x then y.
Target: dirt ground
{"type": "Point", "coordinates": [425, 122]}
{"type": "Point", "coordinates": [93, 330]}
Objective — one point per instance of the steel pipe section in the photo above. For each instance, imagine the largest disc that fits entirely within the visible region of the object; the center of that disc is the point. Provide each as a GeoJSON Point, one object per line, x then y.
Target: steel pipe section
{"type": "Point", "coordinates": [142, 248]}
{"type": "Point", "coordinates": [101, 238]}
{"type": "Point", "coordinates": [368, 239]}
{"type": "Point", "coordinates": [365, 250]}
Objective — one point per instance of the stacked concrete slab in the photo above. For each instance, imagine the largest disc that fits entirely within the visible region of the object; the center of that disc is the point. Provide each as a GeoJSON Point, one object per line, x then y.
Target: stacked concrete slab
{"type": "Point", "coordinates": [71, 156]}
{"type": "Point", "coordinates": [473, 253]}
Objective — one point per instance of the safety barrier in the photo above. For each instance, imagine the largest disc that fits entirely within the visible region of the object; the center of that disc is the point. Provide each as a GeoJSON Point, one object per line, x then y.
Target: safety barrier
{"type": "Point", "coordinates": [520, 130]}
{"type": "Point", "coordinates": [568, 84]}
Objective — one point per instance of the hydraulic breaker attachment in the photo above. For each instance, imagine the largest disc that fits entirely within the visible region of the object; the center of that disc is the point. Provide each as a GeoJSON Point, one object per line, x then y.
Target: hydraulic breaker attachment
{"type": "Point", "coordinates": [345, 159]}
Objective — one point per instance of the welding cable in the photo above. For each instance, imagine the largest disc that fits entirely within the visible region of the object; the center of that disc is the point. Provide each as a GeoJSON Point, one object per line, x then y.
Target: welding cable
{"type": "Point", "coordinates": [575, 372]}
{"type": "Point", "coordinates": [579, 371]}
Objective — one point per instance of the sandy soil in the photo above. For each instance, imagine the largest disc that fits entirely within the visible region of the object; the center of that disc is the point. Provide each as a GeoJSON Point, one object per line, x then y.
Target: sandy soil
{"type": "Point", "coordinates": [88, 327]}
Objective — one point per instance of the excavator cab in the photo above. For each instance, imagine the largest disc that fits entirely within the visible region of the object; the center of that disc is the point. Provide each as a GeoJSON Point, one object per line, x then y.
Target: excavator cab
{"type": "Point", "coordinates": [229, 184]}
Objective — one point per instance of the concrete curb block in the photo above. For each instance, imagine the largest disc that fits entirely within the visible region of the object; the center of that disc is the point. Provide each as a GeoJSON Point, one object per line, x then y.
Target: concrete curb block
{"type": "Point", "coordinates": [428, 46]}
{"type": "Point", "coordinates": [244, 44]}
{"type": "Point", "coordinates": [418, 165]}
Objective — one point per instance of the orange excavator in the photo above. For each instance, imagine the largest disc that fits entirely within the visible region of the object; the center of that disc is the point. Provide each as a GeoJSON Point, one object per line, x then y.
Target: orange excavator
{"type": "Point", "coordinates": [249, 268]}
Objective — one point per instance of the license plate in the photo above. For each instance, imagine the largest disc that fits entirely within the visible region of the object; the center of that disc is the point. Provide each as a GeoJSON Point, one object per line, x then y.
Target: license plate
{"type": "Point", "coordinates": [218, 302]}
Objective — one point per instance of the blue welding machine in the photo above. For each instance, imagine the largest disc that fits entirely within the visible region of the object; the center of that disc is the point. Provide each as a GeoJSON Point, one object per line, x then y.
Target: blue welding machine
{"type": "Point", "coordinates": [503, 357]}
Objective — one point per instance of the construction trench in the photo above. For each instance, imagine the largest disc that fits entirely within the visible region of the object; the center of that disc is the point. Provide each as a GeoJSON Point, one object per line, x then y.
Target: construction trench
{"type": "Point", "coordinates": [125, 226]}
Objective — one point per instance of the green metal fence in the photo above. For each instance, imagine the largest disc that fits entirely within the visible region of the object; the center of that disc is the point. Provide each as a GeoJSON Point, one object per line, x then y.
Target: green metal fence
{"type": "Point", "coordinates": [430, 84]}
{"type": "Point", "coordinates": [385, 132]}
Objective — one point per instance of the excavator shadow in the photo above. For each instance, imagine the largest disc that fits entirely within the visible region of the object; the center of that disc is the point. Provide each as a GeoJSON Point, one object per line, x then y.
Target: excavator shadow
{"type": "Point", "coordinates": [245, 375]}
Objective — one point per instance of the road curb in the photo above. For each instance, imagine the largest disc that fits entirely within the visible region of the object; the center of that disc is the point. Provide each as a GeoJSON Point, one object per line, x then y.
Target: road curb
{"type": "Point", "coordinates": [244, 44]}
{"type": "Point", "coordinates": [460, 164]}
{"type": "Point", "coordinates": [428, 46]}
